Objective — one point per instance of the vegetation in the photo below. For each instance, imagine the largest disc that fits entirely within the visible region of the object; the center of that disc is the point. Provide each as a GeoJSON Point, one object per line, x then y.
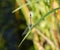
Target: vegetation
{"type": "Point", "coordinates": [42, 18]}
{"type": "Point", "coordinates": [45, 19]}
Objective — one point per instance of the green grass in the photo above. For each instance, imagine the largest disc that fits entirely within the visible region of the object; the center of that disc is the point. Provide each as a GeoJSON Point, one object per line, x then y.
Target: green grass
{"type": "Point", "coordinates": [42, 11]}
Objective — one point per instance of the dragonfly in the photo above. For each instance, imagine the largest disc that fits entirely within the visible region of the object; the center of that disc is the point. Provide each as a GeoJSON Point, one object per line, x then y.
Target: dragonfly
{"type": "Point", "coordinates": [28, 28]}
{"type": "Point", "coordinates": [30, 25]}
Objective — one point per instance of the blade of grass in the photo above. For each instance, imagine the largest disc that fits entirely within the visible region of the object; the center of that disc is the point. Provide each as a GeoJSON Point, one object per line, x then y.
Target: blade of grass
{"type": "Point", "coordinates": [37, 24]}
{"type": "Point", "coordinates": [21, 7]}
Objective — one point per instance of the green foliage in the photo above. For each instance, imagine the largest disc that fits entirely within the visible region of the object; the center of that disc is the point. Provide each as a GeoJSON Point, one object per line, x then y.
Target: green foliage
{"type": "Point", "coordinates": [2, 41]}
{"type": "Point", "coordinates": [44, 18]}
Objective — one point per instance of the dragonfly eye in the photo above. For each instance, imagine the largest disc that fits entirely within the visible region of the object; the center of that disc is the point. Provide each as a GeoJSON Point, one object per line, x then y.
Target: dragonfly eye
{"type": "Point", "coordinates": [31, 14]}
{"type": "Point", "coordinates": [30, 25]}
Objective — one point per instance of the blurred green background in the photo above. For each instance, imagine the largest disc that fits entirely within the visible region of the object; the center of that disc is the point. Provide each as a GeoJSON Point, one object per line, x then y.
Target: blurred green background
{"type": "Point", "coordinates": [15, 18]}
{"type": "Point", "coordinates": [11, 26]}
